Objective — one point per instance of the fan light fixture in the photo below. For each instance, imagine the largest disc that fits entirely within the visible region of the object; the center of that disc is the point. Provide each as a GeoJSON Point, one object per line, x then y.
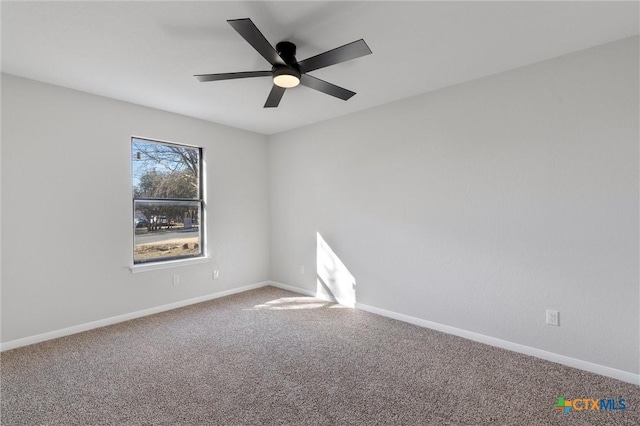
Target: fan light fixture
{"type": "Point", "coordinates": [286, 77]}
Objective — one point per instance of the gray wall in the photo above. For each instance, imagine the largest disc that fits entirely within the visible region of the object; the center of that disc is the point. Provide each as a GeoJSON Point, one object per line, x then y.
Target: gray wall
{"type": "Point", "coordinates": [480, 206]}
{"type": "Point", "coordinates": [477, 206]}
{"type": "Point", "coordinates": [66, 219]}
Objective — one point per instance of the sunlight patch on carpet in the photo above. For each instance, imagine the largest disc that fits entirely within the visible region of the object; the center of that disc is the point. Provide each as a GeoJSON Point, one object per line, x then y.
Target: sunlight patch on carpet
{"type": "Point", "coordinates": [289, 303]}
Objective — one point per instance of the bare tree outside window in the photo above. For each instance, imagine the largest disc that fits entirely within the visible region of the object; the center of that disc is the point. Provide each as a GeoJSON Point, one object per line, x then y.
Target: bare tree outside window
{"type": "Point", "coordinates": [167, 200]}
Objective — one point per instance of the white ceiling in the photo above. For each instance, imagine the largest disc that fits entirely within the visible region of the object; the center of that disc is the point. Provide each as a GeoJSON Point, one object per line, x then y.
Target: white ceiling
{"type": "Point", "coordinates": [147, 52]}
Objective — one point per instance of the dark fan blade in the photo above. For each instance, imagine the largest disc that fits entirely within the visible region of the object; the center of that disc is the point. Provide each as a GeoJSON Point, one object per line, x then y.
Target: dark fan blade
{"type": "Point", "coordinates": [274, 96]}
{"type": "Point", "coordinates": [232, 75]}
{"type": "Point", "coordinates": [254, 37]}
{"type": "Point", "coordinates": [335, 56]}
{"type": "Point", "coordinates": [325, 87]}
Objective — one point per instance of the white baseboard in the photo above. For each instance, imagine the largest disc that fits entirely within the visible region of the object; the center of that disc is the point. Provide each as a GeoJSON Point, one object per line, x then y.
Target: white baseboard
{"type": "Point", "coordinates": [317, 295]}
{"type": "Point", "coordinates": [310, 293]}
{"type": "Point", "coordinates": [515, 347]}
{"type": "Point", "coordinates": [624, 376]}
{"type": "Point", "coordinates": [294, 289]}
{"type": "Point", "coordinates": [12, 344]}
{"type": "Point", "coordinates": [614, 373]}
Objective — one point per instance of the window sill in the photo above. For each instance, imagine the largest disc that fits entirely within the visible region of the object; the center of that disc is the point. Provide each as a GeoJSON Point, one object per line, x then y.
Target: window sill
{"type": "Point", "coordinates": [145, 267]}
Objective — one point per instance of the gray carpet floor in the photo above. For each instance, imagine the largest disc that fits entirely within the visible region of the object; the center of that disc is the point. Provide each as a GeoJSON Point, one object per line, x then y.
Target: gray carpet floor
{"type": "Point", "coordinates": [272, 357]}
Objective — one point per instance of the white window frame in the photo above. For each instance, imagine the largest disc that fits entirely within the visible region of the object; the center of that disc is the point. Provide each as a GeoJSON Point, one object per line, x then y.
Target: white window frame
{"type": "Point", "coordinates": [165, 263]}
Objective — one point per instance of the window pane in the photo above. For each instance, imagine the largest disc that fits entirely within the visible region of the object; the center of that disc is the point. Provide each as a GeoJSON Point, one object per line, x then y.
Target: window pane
{"type": "Point", "coordinates": [164, 171]}
{"type": "Point", "coordinates": [166, 230]}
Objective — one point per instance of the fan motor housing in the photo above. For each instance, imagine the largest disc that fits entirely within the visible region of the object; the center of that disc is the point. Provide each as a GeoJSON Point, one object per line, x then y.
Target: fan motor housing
{"type": "Point", "coordinates": [287, 52]}
{"type": "Point", "coordinates": [282, 70]}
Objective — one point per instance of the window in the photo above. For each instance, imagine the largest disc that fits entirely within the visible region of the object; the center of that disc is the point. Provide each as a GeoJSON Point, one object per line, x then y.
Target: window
{"type": "Point", "coordinates": [167, 201]}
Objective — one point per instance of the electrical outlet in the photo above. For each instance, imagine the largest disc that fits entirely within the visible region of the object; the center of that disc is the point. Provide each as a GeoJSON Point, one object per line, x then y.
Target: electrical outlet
{"type": "Point", "coordinates": [553, 317]}
{"type": "Point", "coordinates": [302, 269]}
{"type": "Point", "coordinates": [216, 274]}
{"type": "Point", "coordinates": [176, 279]}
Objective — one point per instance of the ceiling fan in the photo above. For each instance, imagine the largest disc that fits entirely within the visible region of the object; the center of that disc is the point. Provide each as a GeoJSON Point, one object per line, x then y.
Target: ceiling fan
{"type": "Point", "coordinates": [286, 71]}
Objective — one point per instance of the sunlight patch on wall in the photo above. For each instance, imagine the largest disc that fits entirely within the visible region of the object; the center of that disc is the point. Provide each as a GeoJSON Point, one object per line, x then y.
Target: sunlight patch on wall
{"type": "Point", "coordinates": [334, 281]}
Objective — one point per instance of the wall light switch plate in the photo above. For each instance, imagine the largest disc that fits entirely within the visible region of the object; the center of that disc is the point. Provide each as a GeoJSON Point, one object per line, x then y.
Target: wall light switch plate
{"type": "Point", "coordinates": [216, 274]}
